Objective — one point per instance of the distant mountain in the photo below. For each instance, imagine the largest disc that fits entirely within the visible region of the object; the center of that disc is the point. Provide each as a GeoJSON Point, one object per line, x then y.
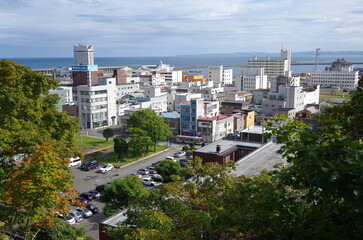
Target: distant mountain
{"type": "Point", "coordinates": [274, 54]}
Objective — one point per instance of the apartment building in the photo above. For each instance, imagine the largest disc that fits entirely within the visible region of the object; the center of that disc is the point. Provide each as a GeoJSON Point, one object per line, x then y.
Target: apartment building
{"type": "Point", "coordinates": [219, 75]}
{"type": "Point", "coordinates": [215, 128]}
{"type": "Point", "coordinates": [250, 79]}
{"type": "Point", "coordinates": [190, 111]}
{"type": "Point", "coordinates": [273, 68]}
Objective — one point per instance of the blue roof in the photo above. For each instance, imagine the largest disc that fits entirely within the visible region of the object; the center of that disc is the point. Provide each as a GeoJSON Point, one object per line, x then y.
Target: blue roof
{"type": "Point", "coordinates": [170, 115]}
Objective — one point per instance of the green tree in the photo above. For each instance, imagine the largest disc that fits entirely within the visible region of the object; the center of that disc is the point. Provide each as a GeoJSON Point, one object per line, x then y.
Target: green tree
{"type": "Point", "coordinates": [62, 230]}
{"type": "Point", "coordinates": [107, 133]}
{"type": "Point", "coordinates": [40, 188]}
{"type": "Point", "coordinates": [151, 123]}
{"type": "Point", "coordinates": [139, 141]}
{"type": "Point", "coordinates": [30, 120]}
{"type": "Point", "coordinates": [123, 192]}
{"type": "Point", "coordinates": [168, 168]}
{"type": "Point", "coordinates": [121, 146]}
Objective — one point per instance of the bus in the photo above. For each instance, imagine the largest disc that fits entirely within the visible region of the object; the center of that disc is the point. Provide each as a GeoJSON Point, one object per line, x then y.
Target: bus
{"type": "Point", "coordinates": [189, 139]}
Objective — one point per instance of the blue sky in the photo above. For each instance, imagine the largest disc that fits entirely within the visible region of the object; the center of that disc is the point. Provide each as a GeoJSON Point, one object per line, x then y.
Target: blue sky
{"type": "Point", "coordinates": [117, 28]}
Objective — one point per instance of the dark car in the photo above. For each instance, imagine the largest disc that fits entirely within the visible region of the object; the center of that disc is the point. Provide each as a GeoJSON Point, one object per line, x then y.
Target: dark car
{"type": "Point", "coordinates": [87, 195]}
{"type": "Point", "coordinates": [101, 188]}
{"type": "Point", "coordinates": [86, 166]}
{"type": "Point", "coordinates": [81, 199]}
{"type": "Point", "coordinates": [92, 208]}
{"type": "Point", "coordinates": [96, 194]}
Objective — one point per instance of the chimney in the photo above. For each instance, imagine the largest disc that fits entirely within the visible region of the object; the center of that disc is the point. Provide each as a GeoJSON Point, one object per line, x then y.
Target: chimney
{"type": "Point", "coordinates": [218, 148]}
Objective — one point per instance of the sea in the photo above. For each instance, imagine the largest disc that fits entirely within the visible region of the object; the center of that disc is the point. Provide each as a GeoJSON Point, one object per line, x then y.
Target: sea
{"type": "Point", "coordinates": [188, 61]}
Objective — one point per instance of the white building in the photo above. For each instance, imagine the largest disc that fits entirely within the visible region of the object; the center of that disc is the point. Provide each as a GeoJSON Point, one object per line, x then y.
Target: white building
{"type": "Point", "coordinates": [174, 99]}
{"type": "Point", "coordinates": [65, 96]}
{"type": "Point", "coordinates": [250, 79]}
{"type": "Point", "coordinates": [97, 104]}
{"type": "Point", "coordinates": [172, 77]}
{"type": "Point", "coordinates": [153, 91]}
{"type": "Point", "coordinates": [340, 74]}
{"type": "Point", "coordinates": [157, 104]}
{"type": "Point", "coordinates": [215, 128]}
{"type": "Point", "coordinates": [83, 55]}
{"type": "Point", "coordinates": [127, 90]}
{"type": "Point", "coordinates": [211, 108]}
{"type": "Point", "coordinates": [273, 68]}
{"type": "Point", "coordinates": [219, 75]}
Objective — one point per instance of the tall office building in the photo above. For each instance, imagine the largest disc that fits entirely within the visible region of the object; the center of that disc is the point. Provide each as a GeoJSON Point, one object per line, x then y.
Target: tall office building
{"type": "Point", "coordinates": [273, 68]}
{"type": "Point", "coordinates": [83, 55]}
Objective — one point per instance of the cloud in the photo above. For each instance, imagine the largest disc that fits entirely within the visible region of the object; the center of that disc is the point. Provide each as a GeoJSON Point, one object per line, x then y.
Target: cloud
{"type": "Point", "coordinates": [145, 27]}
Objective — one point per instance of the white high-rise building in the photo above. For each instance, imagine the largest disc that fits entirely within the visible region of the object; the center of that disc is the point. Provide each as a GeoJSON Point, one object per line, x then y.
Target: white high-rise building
{"type": "Point", "coordinates": [219, 75]}
{"type": "Point", "coordinates": [273, 68]}
{"type": "Point", "coordinates": [251, 79]}
{"type": "Point", "coordinates": [83, 55]}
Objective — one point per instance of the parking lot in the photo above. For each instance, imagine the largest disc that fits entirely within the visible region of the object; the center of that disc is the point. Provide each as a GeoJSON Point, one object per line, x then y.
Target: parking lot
{"type": "Point", "coordinates": [85, 181]}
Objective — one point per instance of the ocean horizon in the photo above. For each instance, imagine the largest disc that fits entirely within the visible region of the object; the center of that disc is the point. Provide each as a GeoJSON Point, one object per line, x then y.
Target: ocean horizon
{"type": "Point", "coordinates": [181, 61]}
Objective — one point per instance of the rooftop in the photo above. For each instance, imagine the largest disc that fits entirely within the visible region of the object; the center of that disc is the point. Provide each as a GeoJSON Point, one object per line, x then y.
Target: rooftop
{"type": "Point", "coordinates": [210, 119]}
{"type": "Point", "coordinates": [225, 145]}
{"type": "Point", "coordinates": [116, 218]}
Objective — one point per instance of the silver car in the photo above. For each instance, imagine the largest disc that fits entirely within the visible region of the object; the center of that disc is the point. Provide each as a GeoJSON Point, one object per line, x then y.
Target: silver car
{"type": "Point", "coordinates": [77, 215]}
{"type": "Point", "coordinates": [85, 212]}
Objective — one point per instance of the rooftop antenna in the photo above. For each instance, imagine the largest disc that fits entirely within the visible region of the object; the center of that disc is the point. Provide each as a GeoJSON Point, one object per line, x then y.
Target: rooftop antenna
{"type": "Point", "coordinates": [317, 53]}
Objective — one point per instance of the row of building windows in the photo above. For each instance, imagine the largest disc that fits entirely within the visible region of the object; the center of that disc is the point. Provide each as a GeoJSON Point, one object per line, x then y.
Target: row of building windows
{"type": "Point", "coordinates": [88, 93]}
{"type": "Point", "coordinates": [94, 100]}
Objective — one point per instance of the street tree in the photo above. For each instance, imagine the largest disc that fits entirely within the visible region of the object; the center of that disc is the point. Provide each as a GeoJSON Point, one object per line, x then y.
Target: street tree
{"type": "Point", "coordinates": [123, 192]}
{"type": "Point", "coordinates": [41, 188]}
{"type": "Point", "coordinates": [121, 147]}
{"type": "Point", "coordinates": [151, 123]}
{"type": "Point", "coordinates": [31, 122]}
{"type": "Point", "coordinates": [168, 168]}
{"type": "Point", "coordinates": [140, 142]}
{"type": "Point", "coordinates": [107, 133]}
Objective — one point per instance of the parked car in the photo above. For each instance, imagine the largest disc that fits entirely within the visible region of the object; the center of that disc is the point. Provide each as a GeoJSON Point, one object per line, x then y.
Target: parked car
{"type": "Point", "coordinates": [190, 157]}
{"type": "Point", "coordinates": [143, 171]}
{"type": "Point", "coordinates": [86, 213]}
{"type": "Point", "coordinates": [74, 162]}
{"type": "Point", "coordinates": [155, 163]}
{"type": "Point", "coordinates": [156, 177]}
{"type": "Point", "coordinates": [86, 166]}
{"type": "Point", "coordinates": [87, 195]}
{"type": "Point", "coordinates": [170, 158]}
{"type": "Point", "coordinates": [68, 219]}
{"type": "Point", "coordinates": [180, 154]}
{"type": "Point", "coordinates": [96, 194]}
{"type": "Point", "coordinates": [101, 188]}
{"type": "Point", "coordinates": [81, 200]}
{"type": "Point", "coordinates": [106, 168]}
{"type": "Point", "coordinates": [148, 182]}
{"type": "Point", "coordinates": [151, 170]}
{"type": "Point", "coordinates": [138, 175]}
{"type": "Point", "coordinates": [183, 164]}
{"type": "Point", "coordinates": [92, 208]}
{"type": "Point", "coordinates": [77, 215]}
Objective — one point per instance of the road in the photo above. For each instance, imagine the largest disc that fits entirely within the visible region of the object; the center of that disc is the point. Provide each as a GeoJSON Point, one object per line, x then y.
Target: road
{"type": "Point", "coordinates": [87, 180]}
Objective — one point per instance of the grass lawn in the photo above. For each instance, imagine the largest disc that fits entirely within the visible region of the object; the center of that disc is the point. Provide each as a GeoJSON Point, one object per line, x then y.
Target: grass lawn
{"type": "Point", "coordinates": [110, 158]}
{"type": "Point", "coordinates": [331, 93]}
{"type": "Point", "coordinates": [85, 141]}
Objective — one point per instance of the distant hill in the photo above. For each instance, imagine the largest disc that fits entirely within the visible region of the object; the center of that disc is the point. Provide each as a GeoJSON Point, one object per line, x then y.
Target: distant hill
{"type": "Point", "coordinates": [274, 54]}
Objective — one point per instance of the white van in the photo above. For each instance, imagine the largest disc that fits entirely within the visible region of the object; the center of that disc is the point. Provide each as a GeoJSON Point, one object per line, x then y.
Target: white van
{"type": "Point", "coordinates": [170, 158]}
{"type": "Point", "coordinates": [74, 162]}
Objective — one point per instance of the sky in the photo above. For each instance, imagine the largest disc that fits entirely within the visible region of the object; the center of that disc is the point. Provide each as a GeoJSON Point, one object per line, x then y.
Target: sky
{"type": "Point", "coordinates": [127, 28]}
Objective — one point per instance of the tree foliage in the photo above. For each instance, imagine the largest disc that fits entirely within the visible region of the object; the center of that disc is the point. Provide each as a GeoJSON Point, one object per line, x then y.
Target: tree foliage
{"type": "Point", "coordinates": [151, 123]}
{"type": "Point", "coordinates": [107, 133]}
{"type": "Point", "coordinates": [168, 168]}
{"type": "Point", "coordinates": [121, 146]}
{"type": "Point", "coordinates": [123, 192]}
{"type": "Point", "coordinates": [62, 230]}
{"type": "Point", "coordinates": [31, 126]}
{"type": "Point", "coordinates": [41, 188]}
{"type": "Point", "coordinates": [139, 141]}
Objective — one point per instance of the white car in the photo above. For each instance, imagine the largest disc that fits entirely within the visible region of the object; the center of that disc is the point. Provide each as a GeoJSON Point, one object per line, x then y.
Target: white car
{"type": "Point", "coordinates": [180, 154]}
{"type": "Point", "coordinates": [106, 168]}
{"type": "Point", "coordinates": [170, 158]}
{"type": "Point", "coordinates": [148, 182]}
{"type": "Point", "coordinates": [74, 162]}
